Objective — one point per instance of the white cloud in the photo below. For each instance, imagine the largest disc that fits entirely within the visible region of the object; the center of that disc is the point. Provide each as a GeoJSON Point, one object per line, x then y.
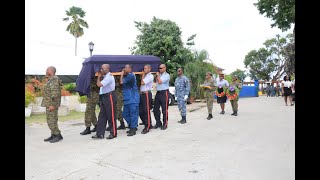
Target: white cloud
{"type": "Point", "coordinates": [228, 29]}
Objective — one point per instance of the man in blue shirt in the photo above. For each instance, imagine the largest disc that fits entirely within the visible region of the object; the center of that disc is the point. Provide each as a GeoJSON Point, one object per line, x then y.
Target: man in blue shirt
{"type": "Point", "coordinates": [108, 102]}
{"type": "Point", "coordinates": [182, 87]}
{"type": "Point", "coordinates": [131, 99]}
{"type": "Point", "coordinates": [162, 97]}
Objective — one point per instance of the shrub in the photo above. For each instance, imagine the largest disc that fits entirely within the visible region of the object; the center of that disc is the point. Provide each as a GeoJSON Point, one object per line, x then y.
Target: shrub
{"type": "Point", "coordinates": [65, 92]}
{"type": "Point", "coordinates": [83, 99]}
{"type": "Point", "coordinates": [29, 97]}
{"type": "Point", "coordinates": [71, 87]}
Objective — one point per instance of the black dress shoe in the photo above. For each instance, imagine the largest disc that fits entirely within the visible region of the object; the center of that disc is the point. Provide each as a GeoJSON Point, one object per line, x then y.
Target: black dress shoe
{"type": "Point", "coordinates": [86, 131]}
{"type": "Point", "coordinates": [156, 126]}
{"type": "Point", "coordinates": [141, 123]}
{"type": "Point", "coordinates": [164, 127]}
{"type": "Point", "coordinates": [183, 121]}
{"type": "Point", "coordinates": [111, 136]}
{"type": "Point", "coordinates": [144, 131]}
{"type": "Point", "coordinates": [97, 137]}
{"type": "Point", "coordinates": [233, 113]}
{"type": "Point", "coordinates": [49, 138]}
{"type": "Point", "coordinates": [132, 129]}
{"type": "Point", "coordinates": [122, 126]}
{"type": "Point", "coordinates": [56, 138]}
{"type": "Point", "coordinates": [131, 132]}
{"type": "Point", "coordinates": [180, 121]}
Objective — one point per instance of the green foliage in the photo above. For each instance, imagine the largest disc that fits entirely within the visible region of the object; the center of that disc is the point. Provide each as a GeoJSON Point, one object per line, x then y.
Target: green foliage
{"type": "Point", "coordinates": [71, 87]}
{"type": "Point", "coordinates": [228, 78]}
{"type": "Point", "coordinates": [162, 38]}
{"type": "Point", "coordinates": [75, 28]}
{"type": "Point", "coordinates": [282, 12]}
{"type": "Point", "coordinates": [196, 72]}
{"type": "Point", "coordinates": [29, 98]}
{"type": "Point", "coordinates": [241, 75]}
{"type": "Point", "coordinates": [271, 59]}
{"type": "Point", "coordinates": [83, 99]}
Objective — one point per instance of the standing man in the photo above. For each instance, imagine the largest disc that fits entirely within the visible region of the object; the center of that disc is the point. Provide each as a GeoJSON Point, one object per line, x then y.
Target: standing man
{"type": "Point", "coordinates": [131, 99]}
{"type": "Point", "coordinates": [182, 87]}
{"type": "Point", "coordinates": [234, 102]}
{"type": "Point", "coordinates": [119, 103]}
{"type": "Point", "coordinates": [90, 113]}
{"type": "Point", "coordinates": [52, 100]}
{"type": "Point", "coordinates": [108, 101]}
{"type": "Point", "coordinates": [209, 87]}
{"type": "Point", "coordinates": [146, 98]}
{"type": "Point", "coordinates": [162, 97]}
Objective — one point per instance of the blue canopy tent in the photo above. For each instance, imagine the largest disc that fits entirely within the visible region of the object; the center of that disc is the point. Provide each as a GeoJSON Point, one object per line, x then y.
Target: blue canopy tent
{"type": "Point", "coordinates": [93, 64]}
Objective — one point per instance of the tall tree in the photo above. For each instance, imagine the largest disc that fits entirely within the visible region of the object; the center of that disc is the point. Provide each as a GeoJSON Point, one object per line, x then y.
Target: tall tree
{"type": "Point", "coordinates": [282, 12]}
{"type": "Point", "coordinates": [271, 60]}
{"type": "Point", "coordinates": [162, 38]}
{"type": "Point", "coordinates": [241, 74]}
{"type": "Point", "coordinates": [77, 24]}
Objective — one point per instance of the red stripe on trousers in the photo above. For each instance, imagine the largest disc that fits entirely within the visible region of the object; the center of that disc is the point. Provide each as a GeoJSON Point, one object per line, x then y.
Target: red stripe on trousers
{"type": "Point", "coordinates": [166, 108]}
{"type": "Point", "coordinates": [148, 109]}
{"type": "Point", "coordinates": [112, 115]}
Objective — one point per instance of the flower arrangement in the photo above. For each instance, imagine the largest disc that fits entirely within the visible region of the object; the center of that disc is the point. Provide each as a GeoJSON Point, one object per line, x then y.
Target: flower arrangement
{"type": "Point", "coordinates": [223, 93]}
{"type": "Point", "coordinates": [232, 92]}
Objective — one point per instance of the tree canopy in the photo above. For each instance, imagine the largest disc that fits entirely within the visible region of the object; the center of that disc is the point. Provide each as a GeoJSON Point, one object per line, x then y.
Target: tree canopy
{"type": "Point", "coordinates": [282, 12]}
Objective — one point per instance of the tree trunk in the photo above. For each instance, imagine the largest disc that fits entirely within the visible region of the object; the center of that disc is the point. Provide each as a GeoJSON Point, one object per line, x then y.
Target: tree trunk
{"type": "Point", "coordinates": [75, 47]}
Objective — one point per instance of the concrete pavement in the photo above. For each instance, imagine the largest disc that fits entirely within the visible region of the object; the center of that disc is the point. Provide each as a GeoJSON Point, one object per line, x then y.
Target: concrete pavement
{"type": "Point", "coordinates": [258, 144]}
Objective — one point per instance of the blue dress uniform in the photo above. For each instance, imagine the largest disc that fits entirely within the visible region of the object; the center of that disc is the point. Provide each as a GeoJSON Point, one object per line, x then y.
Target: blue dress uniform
{"type": "Point", "coordinates": [131, 99]}
{"type": "Point", "coordinates": [108, 102]}
{"type": "Point", "coordinates": [182, 87]}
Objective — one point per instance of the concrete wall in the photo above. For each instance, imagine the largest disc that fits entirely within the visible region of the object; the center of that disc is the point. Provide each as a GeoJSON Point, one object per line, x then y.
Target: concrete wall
{"type": "Point", "coordinates": [71, 102]}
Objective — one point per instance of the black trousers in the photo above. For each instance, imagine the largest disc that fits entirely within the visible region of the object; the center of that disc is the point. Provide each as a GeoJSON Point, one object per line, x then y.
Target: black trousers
{"type": "Point", "coordinates": [161, 99]}
{"type": "Point", "coordinates": [107, 113]}
{"type": "Point", "coordinates": [144, 109]}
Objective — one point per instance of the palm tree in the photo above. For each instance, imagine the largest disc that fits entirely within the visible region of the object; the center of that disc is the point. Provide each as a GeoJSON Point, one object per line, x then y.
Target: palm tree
{"type": "Point", "coordinates": [76, 26]}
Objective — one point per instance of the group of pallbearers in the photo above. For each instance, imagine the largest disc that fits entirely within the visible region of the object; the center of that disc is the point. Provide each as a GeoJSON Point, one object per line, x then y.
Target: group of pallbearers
{"type": "Point", "coordinates": [116, 92]}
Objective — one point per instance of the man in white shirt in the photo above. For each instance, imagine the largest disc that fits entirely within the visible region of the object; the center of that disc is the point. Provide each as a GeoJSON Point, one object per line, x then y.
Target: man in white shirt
{"type": "Point", "coordinates": [146, 98]}
{"type": "Point", "coordinates": [108, 101]}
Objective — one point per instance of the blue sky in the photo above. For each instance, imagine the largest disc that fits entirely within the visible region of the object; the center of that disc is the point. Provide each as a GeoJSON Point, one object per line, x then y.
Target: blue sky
{"type": "Point", "coordinates": [227, 29]}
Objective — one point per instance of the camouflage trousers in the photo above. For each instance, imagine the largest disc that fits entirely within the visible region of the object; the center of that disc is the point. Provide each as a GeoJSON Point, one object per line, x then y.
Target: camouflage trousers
{"type": "Point", "coordinates": [209, 100]}
{"type": "Point", "coordinates": [119, 106]}
{"type": "Point", "coordinates": [90, 113]}
{"type": "Point", "coordinates": [52, 120]}
{"type": "Point", "coordinates": [234, 105]}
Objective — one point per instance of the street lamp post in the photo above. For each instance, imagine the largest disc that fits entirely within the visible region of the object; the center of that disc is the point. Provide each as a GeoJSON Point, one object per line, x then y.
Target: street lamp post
{"type": "Point", "coordinates": [91, 47]}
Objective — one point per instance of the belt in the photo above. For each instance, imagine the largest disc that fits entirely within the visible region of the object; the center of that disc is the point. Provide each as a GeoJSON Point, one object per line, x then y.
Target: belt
{"type": "Point", "coordinates": [145, 92]}
{"type": "Point", "coordinates": [105, 94]}
{"type": "Point", "coordinates": [163, 90]}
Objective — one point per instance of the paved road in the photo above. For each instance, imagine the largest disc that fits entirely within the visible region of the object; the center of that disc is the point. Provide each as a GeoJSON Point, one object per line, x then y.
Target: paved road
{"type": "Point", "coordinates": [259, 144]}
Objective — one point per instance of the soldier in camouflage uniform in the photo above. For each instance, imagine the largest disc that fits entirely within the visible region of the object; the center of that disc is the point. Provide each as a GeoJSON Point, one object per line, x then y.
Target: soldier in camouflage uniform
{"type": "Point", "coordinates": [52, 100]}
{"type": "Point", "coordinates": [119, 106]}
{"type": "Point", "coordinates": [208, 93]}
{"type": "Point", "coordinates": [234, 103]}
{"type": "Point", "coordinates": [90, 113]}
{"type": "Point", "coordinates": [182, 87]}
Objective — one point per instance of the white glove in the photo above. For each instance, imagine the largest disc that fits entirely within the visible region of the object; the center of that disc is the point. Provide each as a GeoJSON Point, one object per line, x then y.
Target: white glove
{"type": "Point", "coordinates": [185, 97]}
{"type": "Point", "coordinates": [175, 98]}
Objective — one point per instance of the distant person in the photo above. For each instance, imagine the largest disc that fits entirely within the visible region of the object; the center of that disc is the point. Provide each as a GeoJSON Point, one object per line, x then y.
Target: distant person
{"type": "Point", "coordinates": [209, 93]}
{"type": "Point", "coordinates": [131, 99]}
{"type": "Point", "coordinates": [90, 113]}
{"type": "Point", "coordinates": [234, 102]}
{"type": "Point", "coordinates": [108, 103]}
{"type": "Point", "coordinates": [221, 83]}
{"type": "Point", "coordinates": [52, 100]}
{"type": "Point", "coordinates": [162, 97]}
{"type": "Point", "coordinates": [182, 89]}
{"type": "Point", "coordinates": [145, 104]}
{"type": "Point", "coordinates": [286, 89]}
